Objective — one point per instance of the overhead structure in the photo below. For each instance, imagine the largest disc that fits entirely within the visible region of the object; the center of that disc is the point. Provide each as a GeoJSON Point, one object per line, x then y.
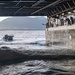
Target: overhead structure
{"type": "Point", "coordinates": [35, 7]}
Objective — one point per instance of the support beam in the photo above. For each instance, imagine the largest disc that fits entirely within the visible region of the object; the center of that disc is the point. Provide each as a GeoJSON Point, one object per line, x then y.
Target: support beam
{"type": "Point", "coordinates": [47, 13]}
{"type": "Point", "coordinates": [74, 2]}
{"type": "Point", "coordinates": [21, 1]}
{"type": "Point", "coordinates": [64, 6]}
{"type": "Point", "coordinates": [37, 3]}
{"type": "Point", "coordinates": [15, 1]}
{"type": "Point", "coordinates": [51, 4]}
{"type": "Point", "coordinates": [64, 11]}
{"type": "Point", "coordinates": [50, 13]}
{"type": "Point", "coordinates": [19, 10]}
{"type": "Point", "coordinates": [18, 3]}
{"type": "Point", "coordinates": [54, 11]}
{"type": "Point", "coordinates": [23, 7]}
{"type": "Point", "coordinates": [68, 5]}
{"type": "Point", "coordinates": [61, 8]}
{"type": "Point", "coordinates": [57, 9]}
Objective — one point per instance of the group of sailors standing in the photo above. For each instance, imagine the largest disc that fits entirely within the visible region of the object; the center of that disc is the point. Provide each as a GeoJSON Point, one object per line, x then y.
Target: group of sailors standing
{"type": "Point", "coordinates": [61, 21]}
{"type": "Point", "coordinates": [67, 21]}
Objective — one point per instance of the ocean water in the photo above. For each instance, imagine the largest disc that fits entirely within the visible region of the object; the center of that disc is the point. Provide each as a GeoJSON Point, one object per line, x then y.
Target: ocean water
{"type": "Point", "coordinates": [33, 40]}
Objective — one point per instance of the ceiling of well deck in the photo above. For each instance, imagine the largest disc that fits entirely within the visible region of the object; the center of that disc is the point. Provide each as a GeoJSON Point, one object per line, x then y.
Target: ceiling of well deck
{"type": "Point", "coordinates": [35, 7]}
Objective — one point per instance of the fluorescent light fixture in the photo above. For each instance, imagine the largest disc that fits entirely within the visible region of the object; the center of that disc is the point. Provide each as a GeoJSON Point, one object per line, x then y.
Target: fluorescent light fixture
{"type": "Point", "coordinates": [2, 3]}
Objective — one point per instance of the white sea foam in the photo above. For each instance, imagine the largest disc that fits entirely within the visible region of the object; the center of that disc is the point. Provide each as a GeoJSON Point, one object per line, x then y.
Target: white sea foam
{"type": "Point", "coordinates": [24, 38]}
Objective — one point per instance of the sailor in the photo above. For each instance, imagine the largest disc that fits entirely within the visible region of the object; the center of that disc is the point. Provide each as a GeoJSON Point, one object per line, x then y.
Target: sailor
{"type": "Point", "coordinates": [62, 21]}
{"type": "Point", "coordinates": [47, 25]}
{"type": "Point", "coordinates": [74, 17]}
{"type": "Point", "coordinates": [72, 20]}
{"type": "Point", "coordinates": [68, 20]}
